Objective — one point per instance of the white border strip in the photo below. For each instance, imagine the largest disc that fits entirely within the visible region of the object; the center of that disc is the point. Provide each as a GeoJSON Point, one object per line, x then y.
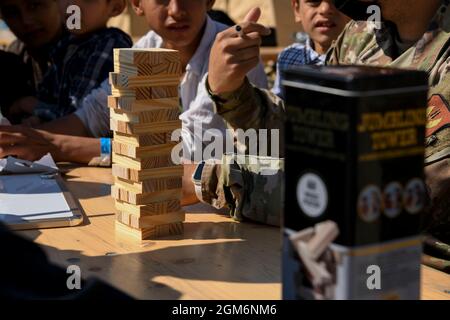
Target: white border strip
{"type": "Point", "coordinates": [347, 93]}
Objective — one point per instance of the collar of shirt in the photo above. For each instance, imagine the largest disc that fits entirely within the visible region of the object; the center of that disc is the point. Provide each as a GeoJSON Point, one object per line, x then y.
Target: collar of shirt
{"type": "Point", "coordinates": [313, 53]}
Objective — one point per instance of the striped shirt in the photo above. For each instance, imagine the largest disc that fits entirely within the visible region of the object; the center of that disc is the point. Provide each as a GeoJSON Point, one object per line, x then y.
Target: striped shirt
{"type": "Point", "coordinates": [78, 67]}
{"type": "Point", "coordinates": [295, 55]}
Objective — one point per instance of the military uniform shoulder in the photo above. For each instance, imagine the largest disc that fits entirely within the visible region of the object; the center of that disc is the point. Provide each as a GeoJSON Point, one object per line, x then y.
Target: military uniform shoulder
{"type": "Point", "coordinates": [359, 27]}
{"type": "Point", "coordinates": [438, 121]}
{"type": "Point", "coordinates": [357, 33]}
{"type": "Point", "coordinates": [356, 37]}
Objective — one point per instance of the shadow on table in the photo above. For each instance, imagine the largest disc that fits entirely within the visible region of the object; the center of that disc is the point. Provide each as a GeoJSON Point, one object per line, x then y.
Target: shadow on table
{"type": "Point", "coordinates": [30, 234]}
{"type": "Point", "coordinates": [202, 208]}
{"type": "Point", "coordinates": [88, 190]}
{"type": "Point", "coordinates": [224, 230]}
{"type": "Point", "coordinates": [240, 255]}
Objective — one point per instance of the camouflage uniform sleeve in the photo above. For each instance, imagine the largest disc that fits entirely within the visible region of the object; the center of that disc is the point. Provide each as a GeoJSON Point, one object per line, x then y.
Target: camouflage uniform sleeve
{"type": "Point", "coordinates": [437, 170]}
{"type": "Point", "coordinates": [436, 59]}
{"type": "Point", "coordinates": [249, 108]}
{"type": "Point", "coordinates": [438, 123]}
{"type": "Point", "coordinates": [250, 187]}
{"type": "Point", "coordinates": [334, 53]}
{"type": "Point", "coordinates": [354, 39]}
{"type": "Point", "coordinates": [436, 263]}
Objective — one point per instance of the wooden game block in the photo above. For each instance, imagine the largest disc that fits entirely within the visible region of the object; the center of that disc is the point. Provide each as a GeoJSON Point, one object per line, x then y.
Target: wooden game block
{"type": "Point", "coordinates": [153, 161]}
{"type": "Point", "coordinates": [155, 115]}
{"type": "Point", "coordinates": [170, 68]}
{"type": "Point", "coordinates": [149, 56]}
{"type": "Point", "coordinates": [141, 152]}
{"type": "Point", "coordinates": [128, 104]}
{"type": "Point", "coordinates": [151, 185]}
{"type": "Point", "coordinates": [144, 128]}
{"type": "Point", "coordinates": [150, 209]}
{"type": "Point", "coordinates": [325, 233]}
{"type": "Point", "coordinates": [122, 81]}
{"type": "Point", "coordinates": [147, 93]}
{"type": "Point", "coordinates": [146, 140]}
{"type": "Point", "coordinates": [137, 222]}
{"type": "Point", "coordinates": [142, 175]}
{"type": "Point", "coordinates": [149, 233]}
{"type": "Point", "coordinates": [319, 274]}
{"type": "Point", "coordinates": [145, 198]}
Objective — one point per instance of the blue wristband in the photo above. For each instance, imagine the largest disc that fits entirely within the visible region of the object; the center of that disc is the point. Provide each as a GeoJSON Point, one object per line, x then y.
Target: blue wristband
{"type": "Point", "coordinates": [105, 147]}
{"type": "Point", "coordinates": [105, 152]}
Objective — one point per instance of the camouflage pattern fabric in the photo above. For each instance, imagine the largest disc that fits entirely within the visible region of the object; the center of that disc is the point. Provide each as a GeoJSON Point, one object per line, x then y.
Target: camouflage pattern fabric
{"type": "Point", "coordinates": [437, 248]}
{"type": "Point", "coordinates": [361, 43]}
{"type": "Point", "coordinates": [251, 108]}
{"type": "Point", "coordinates": [436, 263]}
{"type": "Point", "coordinates": [249, 186]}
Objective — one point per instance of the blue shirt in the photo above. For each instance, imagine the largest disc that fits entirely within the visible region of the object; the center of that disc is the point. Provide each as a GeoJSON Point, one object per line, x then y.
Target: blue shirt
{"type": "Point", "coordinates": [79, 66]}
{"type": "Point", "coordinates": [295, 55]}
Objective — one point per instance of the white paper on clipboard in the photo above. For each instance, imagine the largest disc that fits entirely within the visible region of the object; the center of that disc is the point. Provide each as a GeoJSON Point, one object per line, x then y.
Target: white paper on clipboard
{"type": "Point", "coordinates": [29, 201]}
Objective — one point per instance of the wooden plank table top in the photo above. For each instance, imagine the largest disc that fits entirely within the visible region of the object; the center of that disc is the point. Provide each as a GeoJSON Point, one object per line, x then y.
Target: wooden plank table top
{"type": "Point", "coordinates": [216, 258]}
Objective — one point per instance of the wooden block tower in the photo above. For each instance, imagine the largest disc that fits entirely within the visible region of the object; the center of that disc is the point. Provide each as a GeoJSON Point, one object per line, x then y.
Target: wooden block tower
{"type": "Point", "coordinates": [145, 111]}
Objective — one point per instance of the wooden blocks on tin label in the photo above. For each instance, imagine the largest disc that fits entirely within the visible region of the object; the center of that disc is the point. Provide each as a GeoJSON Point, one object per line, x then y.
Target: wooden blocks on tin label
{"type": "Point", "coordinates": [144, 113]}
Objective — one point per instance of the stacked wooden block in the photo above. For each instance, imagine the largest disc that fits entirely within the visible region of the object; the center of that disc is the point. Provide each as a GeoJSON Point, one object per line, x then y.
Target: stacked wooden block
{"type": "Point", "coordinates": [144, 112]}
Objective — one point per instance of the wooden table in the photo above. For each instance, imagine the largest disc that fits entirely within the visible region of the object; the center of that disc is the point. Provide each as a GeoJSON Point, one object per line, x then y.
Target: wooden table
{"type": "Point", "coordinates": [216, 258]}
{"type": "Point", "coordinates": [270, 53]}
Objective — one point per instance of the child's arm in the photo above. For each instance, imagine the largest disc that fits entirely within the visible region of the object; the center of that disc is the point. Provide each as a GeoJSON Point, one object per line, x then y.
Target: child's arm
{"type": "Point", "coordinates": [70, 125]}
{"type": "Point", "coordinates": [31, 144]}
{"type": "Point", "coordinates": [67, 139]}
{"type": "Point", "coordinates": [23, 105]}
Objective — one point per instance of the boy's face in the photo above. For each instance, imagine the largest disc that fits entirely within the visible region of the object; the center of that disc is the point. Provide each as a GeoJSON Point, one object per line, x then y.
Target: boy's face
{"type": "Point", "coordinates": [94, 13]}
{"type": "Point", "coordinates": [35, 22]}
{"type": "Point", "coordinates": [178, 22]}
{"type": "Point", "coordinates": [320, 19]}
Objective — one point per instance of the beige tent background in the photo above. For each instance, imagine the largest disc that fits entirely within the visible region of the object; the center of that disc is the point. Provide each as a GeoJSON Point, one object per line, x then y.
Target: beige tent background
{"type": "Point", "coordinates": [275, 13]}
